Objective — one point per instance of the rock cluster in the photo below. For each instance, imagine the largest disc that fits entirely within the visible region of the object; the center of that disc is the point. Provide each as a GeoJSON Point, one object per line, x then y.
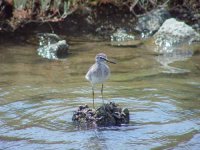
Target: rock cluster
{"type": "Point", "coordinates": [106, 115]}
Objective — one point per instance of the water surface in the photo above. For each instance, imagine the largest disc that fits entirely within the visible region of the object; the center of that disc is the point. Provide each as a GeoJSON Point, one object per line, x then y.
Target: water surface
{"type": "Point", "coordinates": [38, 97]}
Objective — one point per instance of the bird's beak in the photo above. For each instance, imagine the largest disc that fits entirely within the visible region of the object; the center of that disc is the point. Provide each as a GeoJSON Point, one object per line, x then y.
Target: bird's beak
{"type": "Point", "coordinates": [110, 61]}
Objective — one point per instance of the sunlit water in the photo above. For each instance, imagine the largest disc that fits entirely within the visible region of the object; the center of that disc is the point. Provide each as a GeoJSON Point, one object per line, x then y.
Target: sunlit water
{"type": "Point", "coordinates": [38, 97]}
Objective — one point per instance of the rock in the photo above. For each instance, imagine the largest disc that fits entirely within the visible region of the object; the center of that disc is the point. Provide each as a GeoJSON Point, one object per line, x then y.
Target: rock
{"type": "Point", "coordinates": [125, 112]}
{"type": "Point", "coordinates": [173, 40]}
{"type": "Point", "coordinates": [150, 22]}
{"type": "Point", "coordinates": [48, 37]}
{"type": "Point", "coordinates": [122, 38]}
{"type": "Point", "coordinates": [51, 46]}
{"type": "Point", "coordinates": [196, 26]}
{"type": "Point", "coordinates": [173, 33]}
{"type": "Point", "coordinates": [106, 115]}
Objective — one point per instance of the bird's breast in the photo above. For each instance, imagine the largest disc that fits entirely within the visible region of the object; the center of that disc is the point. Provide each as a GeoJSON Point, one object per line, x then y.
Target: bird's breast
{"type": "Point", "coordinates": [98, 73]}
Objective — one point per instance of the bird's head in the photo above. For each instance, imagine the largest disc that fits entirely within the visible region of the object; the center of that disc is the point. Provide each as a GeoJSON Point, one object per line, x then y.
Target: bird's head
{"type": "Point", "coordinates": [101, 57]}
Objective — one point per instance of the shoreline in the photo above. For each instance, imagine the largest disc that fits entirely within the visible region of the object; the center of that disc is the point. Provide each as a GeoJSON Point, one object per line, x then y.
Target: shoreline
{"type": "Point", "coordinates": [99, 20]}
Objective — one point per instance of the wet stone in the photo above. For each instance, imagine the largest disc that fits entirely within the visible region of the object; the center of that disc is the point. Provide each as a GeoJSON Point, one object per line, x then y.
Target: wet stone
{"type": "Point", "coordinates": [173, 33]}
{"type": "Point", "coordinates": [121, 38]}
{"type": "Point", "coordinates": [51, 46]}
{"type": "Point", "coordinates": [150, 22]}
{"type": "Point", "coordinates": [104, 116]}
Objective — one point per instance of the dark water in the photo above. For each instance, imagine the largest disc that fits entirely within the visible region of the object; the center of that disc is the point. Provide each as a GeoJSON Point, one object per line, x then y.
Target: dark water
{"type": "Point", "coordinates": [38, 97]}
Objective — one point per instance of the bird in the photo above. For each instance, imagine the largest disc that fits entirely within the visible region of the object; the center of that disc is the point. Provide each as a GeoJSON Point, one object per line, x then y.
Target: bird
{"type": "Point", "coordinates": [99, 72]}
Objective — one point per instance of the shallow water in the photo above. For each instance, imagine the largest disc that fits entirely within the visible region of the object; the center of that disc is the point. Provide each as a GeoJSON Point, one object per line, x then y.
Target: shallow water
{"type": "Point", "coordinates": [38, 97]}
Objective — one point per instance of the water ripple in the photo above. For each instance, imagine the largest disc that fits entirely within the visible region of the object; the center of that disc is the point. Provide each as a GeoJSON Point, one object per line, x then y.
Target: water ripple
{"type": "Point", "coordinates": [49, 122]}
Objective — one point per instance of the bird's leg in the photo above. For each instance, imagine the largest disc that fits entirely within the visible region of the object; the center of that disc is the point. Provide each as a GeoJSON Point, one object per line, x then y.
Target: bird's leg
{"type": "Point", "coordinates": [102, 98]}
{"type": "Point", "coordinates": [93, 95]}
{"type": "Point", "coordinates": [102, 93]}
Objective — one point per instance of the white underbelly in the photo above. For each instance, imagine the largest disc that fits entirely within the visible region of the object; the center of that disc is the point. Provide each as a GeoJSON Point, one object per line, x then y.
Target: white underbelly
{"type": "Point", "coordinates": [98, 74]}
{"type": "Point", "coordinates": [99, 80]}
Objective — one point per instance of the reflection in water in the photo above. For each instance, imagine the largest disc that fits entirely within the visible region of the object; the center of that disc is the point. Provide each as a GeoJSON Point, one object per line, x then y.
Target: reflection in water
{"type": "Point", "coordinates": [38, 97]}
{"type": "Point", "coordinates": [172, 55]}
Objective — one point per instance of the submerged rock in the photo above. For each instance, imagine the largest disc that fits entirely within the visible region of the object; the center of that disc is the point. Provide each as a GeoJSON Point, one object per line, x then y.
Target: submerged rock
{"type": "Point", "coordinates": [51, 46]}
{"type": "Point", "coordinates": [106, 115]}
{"type": "Point", "coordinates": [122, 38]}
{"type": "Point", "coordinates": [150, 22]}
{"type": "Point", "coordinates": [173, 33]}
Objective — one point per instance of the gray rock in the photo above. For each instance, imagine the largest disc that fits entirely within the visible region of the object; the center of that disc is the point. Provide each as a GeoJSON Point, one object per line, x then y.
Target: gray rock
{"type": "Point", "coordinates": [172, 41]}
{"type": "Point", "coordinates": [121, 38]}
{"type": "Point", "coordinates": [173, 33]}
{"type": "Point", "coordinates": [150, 22]}
{"type": "Point", "coordinates": [51, 46]}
